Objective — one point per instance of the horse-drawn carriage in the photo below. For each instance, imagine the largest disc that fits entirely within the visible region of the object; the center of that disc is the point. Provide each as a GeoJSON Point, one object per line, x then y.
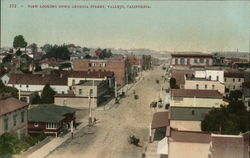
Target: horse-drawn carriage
{"type": "Point", "coordinates": [133, 140]}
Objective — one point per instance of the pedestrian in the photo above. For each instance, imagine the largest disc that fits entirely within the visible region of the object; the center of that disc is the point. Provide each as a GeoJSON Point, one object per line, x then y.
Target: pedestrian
{"type": "Point", "coordinates": [72, 135]}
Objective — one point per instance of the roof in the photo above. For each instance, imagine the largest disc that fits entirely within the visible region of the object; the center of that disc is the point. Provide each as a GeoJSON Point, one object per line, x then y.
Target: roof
{"type": "Point", "coordinates": [190, 136]}
{"type": "Point", "coordinates": [188, 113]}
{"type": "Point", "coordinates": [49, 113]}
{"type": "Point", "coordinates": [179, 75]}
{"type": "Point", "coordinates": [90, 83]}
{"type": "Point", "coordinates": [90, 74]}
{"type": "Point", "coordinates": [193, 55]}
{"type": "Point", "coordinates": [160, 119]}
{"type": "Point", "coordinates": [196, 93]}
{"type": "Point", "coordinates": [50, 60]}
{"type": "Point", "coordinates": [227, 146]}
{"type": "Point", "coordinates": [38, 79]}
{"type": "Point", "coordinates": [10, 104]}
{"type": "Point", "coordinates": [234, 74]}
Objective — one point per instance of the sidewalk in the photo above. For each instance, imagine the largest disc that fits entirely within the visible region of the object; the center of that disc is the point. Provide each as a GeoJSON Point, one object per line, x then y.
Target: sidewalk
{"type": "Point", "coordinates": [54, 143]}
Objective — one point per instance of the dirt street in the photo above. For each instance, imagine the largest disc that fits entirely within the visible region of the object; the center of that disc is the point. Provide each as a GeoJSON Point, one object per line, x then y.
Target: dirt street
{"type": "Point", "coordinates": [108, 138]}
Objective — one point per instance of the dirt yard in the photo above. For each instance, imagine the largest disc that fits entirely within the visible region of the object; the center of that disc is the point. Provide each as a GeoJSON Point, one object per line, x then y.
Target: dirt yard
{"type": "Point", "coordinates": [108, 138]}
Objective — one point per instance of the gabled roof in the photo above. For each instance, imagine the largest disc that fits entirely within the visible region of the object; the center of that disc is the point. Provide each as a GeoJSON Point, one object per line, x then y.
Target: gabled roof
{"type": "Point", "coordinates": [10, 104]}
{"type": "Point", "coordinates": [38, 79]}
{"type": "Point", "coordinates": [196, 93]}
{"type": "Point", "coordinates": [49, 113]}
{"type": "Point", "coordinates": [90, 74]}
{"type": "Point", "coordinates": [179, 75]}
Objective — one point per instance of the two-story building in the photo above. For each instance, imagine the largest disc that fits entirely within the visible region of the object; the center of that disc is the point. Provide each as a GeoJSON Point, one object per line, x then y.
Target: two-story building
{"type": "Point", "coordinates": [188, 107]}
{"type": "Point", "coordinates": [86, 93]}
{"type": "Point", "coordinates": [116, 66]}
{"type": "Point", "coordinates": [192, 59]}
{"type": "Point", "coordinates": [13, 116]}
{"type": "Point", "coordinates": [204, 84]}
{"type": "Point", "coordinates": [233, 81]}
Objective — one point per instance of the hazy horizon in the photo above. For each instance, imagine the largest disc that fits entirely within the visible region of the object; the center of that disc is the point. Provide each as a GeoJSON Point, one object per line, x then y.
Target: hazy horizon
{"type": "Point", "coordinates": [167, 26]}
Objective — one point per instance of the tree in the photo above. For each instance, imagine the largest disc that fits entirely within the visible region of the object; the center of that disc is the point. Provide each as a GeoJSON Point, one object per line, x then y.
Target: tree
{"type": "Point", "coordinates": [38, 68]}
{"type": "Point", "coordinates": [87, 56]}
{"type": "Point", "coordinates": [19, 42]}
{"type": "Point", "coordinates": [232, 119]}
{"type": "Point", "coordinates": [173, 84]}
{"type": "Point", "coordinates": [8, 90]}
{"type": "Point", "coordinates": [105, 54]}
{"type": "Point", "coordinates": [46, 47]}
{"type": "Point", "coordinates": [56, 51]}
{"type": "Point", "coordinates": [7, 58]}
{"type": "Point", "coordinates": [235, 95]}
{"type": "Point", "coordinates": [9, 144]}
{"type": "Point", "coordinates": [85, 49]}
{"type": "Point", "coordinates": [47, 96]}
{"type": "Point", "coordinates": [19, 52]}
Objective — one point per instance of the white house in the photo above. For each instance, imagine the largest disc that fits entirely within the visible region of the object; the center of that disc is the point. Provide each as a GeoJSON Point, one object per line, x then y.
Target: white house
{"type": "Point", "coordinates": [214, 75]}
{"type": "Point", "coordinates": [36, 82]}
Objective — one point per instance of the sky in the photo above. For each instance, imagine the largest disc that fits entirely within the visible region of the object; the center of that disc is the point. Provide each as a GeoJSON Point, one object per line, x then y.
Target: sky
{"type": "Point", "coordinates": [166, 26]}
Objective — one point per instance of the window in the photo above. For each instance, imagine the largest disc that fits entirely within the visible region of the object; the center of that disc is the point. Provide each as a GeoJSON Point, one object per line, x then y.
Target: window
{"type": "Point", "coordinates": [22, 116]}
{"type": "Point", "coordinates": [188, 61]}
{"type": "Point", "coordinates": [192, 112]}
{"type": "Point", "coordinates": [239, 80]}
{"type": "Point", "coordinates": [201, 60]}
{"type": "Point", "coordinates": [217, 78]}
{"type": "Point", "coordinates": [205, 86]}
{"type": "Point", "coordinates": [195, 60]}
{"type": "Point", "coordinates": [73, 82]}
{"type": "Point", "coordinates": [233, 80]}
{"type": "Point", "coordinates": [91, 92]}
{"type": "Point", "coordinates": [207, 61]}
{"type": "Point", "coordinates": [233, 87]}
{"type": "Point", "coordinates": [20, 86]}
{"type": "Point", "coordinates": [182, 61]}
{"type": "Point", "coordinates": [93, 64]}
{"type": "Point", "coordinates": [14, 120]}
{"type": "Point", "coordinates": [80, 91]}
{"type": "Point", "coordinates": [35, 124]}
{"type": "Point", "coordinates": [197, 86]}
{"type": "Point", "coordinates": [52, 125]}
{"type": "Point", "coordinates": [176, 61]}
{"type": "Point", "coordinates": [104, 65]}
{"type": "Point", "coordinates": [27, 86]}
{"type": "Point", "coordinates": [5, 124]}
{"type": "Point", "coordinates": [89, 64]}
{"type": "Point", "coordinates": [213, 86]}
{"type": "Point", "coordinates": [210, 77]}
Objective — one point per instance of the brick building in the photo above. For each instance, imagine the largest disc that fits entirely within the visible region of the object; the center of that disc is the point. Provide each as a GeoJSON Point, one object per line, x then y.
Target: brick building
{"type": "Point", "coordinates": [117, 66]}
